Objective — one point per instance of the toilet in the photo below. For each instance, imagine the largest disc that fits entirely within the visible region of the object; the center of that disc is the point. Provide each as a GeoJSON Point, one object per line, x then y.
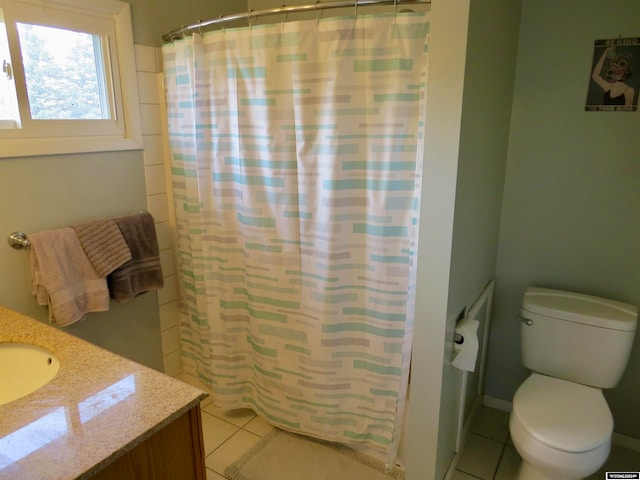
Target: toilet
{"type": "Point", "coordinates": [575, 345]}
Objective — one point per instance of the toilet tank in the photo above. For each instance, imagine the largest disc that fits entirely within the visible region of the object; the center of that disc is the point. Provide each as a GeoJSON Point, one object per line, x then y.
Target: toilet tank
{"type": "Point", "coordinates": [577, 337]}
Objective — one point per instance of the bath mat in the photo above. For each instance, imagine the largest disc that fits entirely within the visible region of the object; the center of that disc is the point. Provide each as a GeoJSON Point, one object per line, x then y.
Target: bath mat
{"type": "Point", "coordinates": [286, 456]}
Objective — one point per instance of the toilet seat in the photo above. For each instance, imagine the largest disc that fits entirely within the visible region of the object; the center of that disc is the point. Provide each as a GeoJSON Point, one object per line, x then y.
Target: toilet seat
{"type": "Point", "coordinates": [542, 462]}
{"type": "Point", "coordinates": [563, 415]}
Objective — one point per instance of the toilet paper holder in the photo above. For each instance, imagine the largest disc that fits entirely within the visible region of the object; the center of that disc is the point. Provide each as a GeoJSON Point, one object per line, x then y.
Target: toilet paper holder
{"type": "Point", "coordinates": [527, 321]}
{"type": "Point", "coordinates": [466, 349]}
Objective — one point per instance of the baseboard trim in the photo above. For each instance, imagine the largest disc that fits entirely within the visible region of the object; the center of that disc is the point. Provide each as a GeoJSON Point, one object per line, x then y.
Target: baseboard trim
{"type": "Point", "coordinates": [497, 403]}
{"type": "Point", "coordinates": [460, 442]}
{"type": "Point", "coordinates": [452, 467]}
{"type": "Point", "coordinates": [625, 441]}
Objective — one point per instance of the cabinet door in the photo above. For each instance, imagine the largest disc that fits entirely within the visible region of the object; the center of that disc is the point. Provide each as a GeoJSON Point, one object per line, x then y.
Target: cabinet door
{"type": "Point", "coordinates": [176, 451]}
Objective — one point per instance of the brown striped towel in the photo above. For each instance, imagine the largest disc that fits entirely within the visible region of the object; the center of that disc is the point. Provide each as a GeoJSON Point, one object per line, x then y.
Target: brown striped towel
{"type": "Point", "coordinates": [104, 245]}
{"type": "Point", "coordinates": [143, 272]}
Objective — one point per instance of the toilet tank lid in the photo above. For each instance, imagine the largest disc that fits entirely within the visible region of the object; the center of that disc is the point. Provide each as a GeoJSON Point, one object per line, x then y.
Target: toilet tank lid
{"type": "Point", "coordinates": [581, 308]}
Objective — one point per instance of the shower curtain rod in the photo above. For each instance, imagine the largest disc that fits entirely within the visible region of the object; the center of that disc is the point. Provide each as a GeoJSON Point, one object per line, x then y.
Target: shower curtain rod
{"type": "Point", "coordinates": [181, 32]}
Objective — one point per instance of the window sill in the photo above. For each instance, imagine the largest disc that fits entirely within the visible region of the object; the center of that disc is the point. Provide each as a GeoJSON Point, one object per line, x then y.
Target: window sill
{"type": "Point", "coordinates": [63, 145]}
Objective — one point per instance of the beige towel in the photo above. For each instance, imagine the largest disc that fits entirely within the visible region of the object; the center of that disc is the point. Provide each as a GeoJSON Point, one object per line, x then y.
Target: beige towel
{"type": "Point", "coordinates": [63, 277]}
{"type": "Point", "coordinates": [104, 245]}
{"type": "Point", "coordinates": [143, 272]}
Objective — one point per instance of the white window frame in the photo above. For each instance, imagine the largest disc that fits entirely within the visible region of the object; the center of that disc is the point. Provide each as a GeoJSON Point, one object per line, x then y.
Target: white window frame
{"type": "Point", "coordinates": [111, 19]}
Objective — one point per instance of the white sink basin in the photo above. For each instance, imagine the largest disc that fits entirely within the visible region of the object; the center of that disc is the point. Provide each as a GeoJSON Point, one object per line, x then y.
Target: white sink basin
{"type": "Point", "coordinates": [24, 368]}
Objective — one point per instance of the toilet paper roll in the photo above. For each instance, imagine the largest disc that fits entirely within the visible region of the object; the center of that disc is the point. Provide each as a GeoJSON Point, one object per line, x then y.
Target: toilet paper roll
{"type": "Point", "coordinates": [466, 353]}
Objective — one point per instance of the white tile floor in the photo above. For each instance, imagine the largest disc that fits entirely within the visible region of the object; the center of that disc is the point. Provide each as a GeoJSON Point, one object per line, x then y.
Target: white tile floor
{"type": "Point", "coordinates": [227, 436]}
{"type": "Point", "coordinates": [488, 454]}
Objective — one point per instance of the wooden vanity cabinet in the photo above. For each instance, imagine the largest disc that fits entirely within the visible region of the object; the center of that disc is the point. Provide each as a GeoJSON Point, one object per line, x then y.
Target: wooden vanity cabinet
{"type": "Point", "coordinates": [174, 452]}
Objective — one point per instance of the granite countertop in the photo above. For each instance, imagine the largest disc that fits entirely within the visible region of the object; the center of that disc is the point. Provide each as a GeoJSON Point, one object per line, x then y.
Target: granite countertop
{"type": "Point", "coordinates": [98, 407]}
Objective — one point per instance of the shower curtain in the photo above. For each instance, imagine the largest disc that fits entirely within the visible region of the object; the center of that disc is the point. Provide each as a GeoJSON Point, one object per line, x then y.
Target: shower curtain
{"type": "Point", "coordinates": [296, 157]}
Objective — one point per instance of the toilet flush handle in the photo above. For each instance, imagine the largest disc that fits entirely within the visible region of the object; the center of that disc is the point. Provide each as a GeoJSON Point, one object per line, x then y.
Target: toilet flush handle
{"type": "Point", "coordinates": [527, 321]}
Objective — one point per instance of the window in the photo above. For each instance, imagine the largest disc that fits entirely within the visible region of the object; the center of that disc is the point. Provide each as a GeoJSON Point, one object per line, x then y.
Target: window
{"type": "Point", "coordinates": [68, 79]}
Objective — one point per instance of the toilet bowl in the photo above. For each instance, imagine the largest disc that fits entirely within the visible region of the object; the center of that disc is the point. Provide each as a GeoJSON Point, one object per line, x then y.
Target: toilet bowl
{"type": "Point", "coordinates": [561, 429]}
{"type": "Point", "coordinates": [575, 345]}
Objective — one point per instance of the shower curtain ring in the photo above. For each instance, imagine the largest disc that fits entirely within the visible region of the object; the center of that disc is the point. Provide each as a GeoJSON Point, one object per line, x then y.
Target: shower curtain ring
{"type": "Point", "coordinates": [316, 10]}
{"type": "Point", "coordinates": [355, 11]}
{"type": "Point", "coordinates": [395, 8]}
{"type": "Point", "coordinates": [249, 18]}
{"type": "Point", "coordinates": [221, 18]}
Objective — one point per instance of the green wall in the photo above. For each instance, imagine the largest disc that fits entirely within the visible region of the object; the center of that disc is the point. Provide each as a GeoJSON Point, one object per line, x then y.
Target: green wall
{"type": "Point", "coordinates": [153, 18]}
{"type": "Point", "coordinates": [41, 193]}
{"type": "Point", "coordinates": [571, 211]}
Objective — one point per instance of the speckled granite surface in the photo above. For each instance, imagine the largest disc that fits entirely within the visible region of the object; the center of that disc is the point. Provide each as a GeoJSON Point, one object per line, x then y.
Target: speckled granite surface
{"type": "Point", "coordinates": [98, 407]}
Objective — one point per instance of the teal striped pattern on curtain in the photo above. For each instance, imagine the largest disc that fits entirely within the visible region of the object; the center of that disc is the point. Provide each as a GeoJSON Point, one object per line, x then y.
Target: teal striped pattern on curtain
{"type": "Point", "coordinates": [296, 159]}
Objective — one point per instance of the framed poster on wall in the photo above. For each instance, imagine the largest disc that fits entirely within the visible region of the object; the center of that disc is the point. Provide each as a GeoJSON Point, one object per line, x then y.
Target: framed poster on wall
{"type": "Point", "coordinates": [615, 76]}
